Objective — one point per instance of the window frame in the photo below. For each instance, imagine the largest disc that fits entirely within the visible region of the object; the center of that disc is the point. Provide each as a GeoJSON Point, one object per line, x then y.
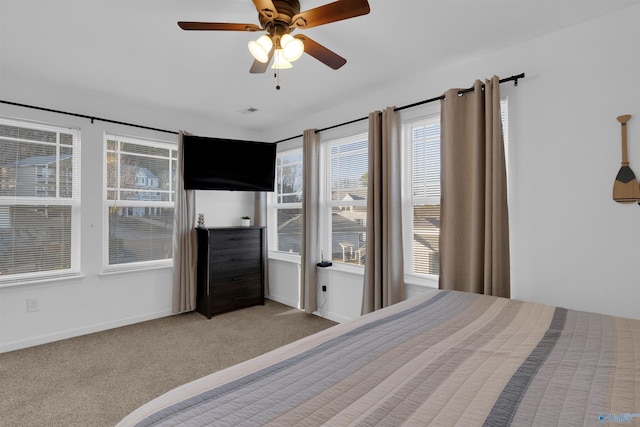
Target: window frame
{"type": "Point", "coordinates": [119, 203]}
{"type": "Point", "coordinates": [74, 201]}
{"type": "Point", "coordinates": [275, 205]}
{"type": "Point", "coordinates": [427, 118]}
{"type": "Point", "coordinates": [327, 204]}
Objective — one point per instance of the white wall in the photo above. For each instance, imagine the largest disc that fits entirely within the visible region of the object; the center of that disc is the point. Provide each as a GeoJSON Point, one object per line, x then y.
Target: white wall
{"type": "Point", "coordinates": [284, 281]}
{"type": "Point", "coordinates": [342, 299]}
{"type": "Point", "coordinates": [224, 208]}
{"type": "Point", "coordinates": [95, 301]}
{"type": "Point", "coordinates": [571, 244]}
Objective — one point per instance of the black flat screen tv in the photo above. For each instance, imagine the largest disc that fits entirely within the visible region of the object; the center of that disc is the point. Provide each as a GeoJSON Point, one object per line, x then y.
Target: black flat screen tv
{"type": "Point", "coordinates": [228, 164]}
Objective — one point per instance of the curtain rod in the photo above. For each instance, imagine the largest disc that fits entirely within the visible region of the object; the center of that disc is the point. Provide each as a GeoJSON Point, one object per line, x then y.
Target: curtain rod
{"type": "Point", "coordinates": [514, 79]}
{"type": "Point", "coordinates": [93, 118]}
{"type": "Point", "coordinates": [84, 116]}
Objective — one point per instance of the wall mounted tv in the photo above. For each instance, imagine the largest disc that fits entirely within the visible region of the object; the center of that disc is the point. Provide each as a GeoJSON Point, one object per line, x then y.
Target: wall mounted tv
{"type": "Point", "coordinates": [228, 164]}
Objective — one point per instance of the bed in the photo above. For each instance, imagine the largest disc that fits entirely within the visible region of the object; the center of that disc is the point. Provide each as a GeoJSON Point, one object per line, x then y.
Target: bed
{"type": "Point", "coordinates": [444, 358]}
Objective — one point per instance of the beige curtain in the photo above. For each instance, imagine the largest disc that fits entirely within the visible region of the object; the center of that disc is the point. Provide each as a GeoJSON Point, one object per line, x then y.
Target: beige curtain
{"type": "Point", "coordinates": [260, 220]}
{"type": "Point", "coordinates": [184, 243]}
{"type": "Point", "coordinates": [474, 234]}
{"type": "Point", "coordinates": [383, 267]}
{"type": "Point", "coordinates": [310, 218]}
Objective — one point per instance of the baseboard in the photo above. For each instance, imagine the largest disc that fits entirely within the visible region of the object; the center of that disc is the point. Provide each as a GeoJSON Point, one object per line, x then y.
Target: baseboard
{"type": "Point", "coordinates": [283, 300]}
{"type": "Point", "coordinates": [332, 316]}
{"type": "Point", "coordinates": [71, 333]}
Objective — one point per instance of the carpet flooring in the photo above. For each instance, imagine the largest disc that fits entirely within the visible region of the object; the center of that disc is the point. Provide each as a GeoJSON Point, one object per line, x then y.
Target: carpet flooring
{"type": "Point", "coordinates": [95, 380]}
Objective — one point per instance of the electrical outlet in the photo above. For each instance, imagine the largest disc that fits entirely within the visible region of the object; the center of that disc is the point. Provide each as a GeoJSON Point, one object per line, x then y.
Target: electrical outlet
{"type": "Point", "coordinates": [324, 288]}
{"type": "Point", "coordinates": [33, 304]}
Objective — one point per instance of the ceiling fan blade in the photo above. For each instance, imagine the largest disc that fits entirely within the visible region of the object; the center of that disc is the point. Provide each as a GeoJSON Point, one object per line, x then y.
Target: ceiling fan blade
{"type": "Point", "coordinates": [266, 9]}
{"type": "Point", "coordinates": [321, 53]}
{"type": "Point", "coordinates": [260, 67]}
{"type": "Point", "coordinates": [332, 12]}
{"type": "Point", "coordinates": [217, 26]}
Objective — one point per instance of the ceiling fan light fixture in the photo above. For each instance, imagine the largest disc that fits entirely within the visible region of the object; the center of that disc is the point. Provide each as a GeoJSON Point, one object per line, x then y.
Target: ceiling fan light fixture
{"type": "Point", "coordinates": [292, 48]}
{"type": "Point", "coordinates": [279, 61]}
{"type": "Point", "coordinates": [260, 48]}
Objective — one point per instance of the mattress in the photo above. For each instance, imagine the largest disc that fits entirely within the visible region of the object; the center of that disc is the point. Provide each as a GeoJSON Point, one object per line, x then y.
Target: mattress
{"type": "Point", "coordinates": [444, 358]}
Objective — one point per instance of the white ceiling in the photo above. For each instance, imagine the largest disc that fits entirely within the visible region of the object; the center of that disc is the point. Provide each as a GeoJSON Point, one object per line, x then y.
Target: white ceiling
{"type": "Point", "coordinates": [133, 49]}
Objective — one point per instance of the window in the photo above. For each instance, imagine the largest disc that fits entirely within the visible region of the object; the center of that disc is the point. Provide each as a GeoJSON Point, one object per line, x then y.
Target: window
{"type": "Point", "coordinates": [347, 205]}
{"type": "Point", "coordinates": [422, 138]}
{"type": "Point", "coordinates": [344, 168]}
{"type": "Point", "coordinates": [39, 201]}
{"type": "Point", "coordinates": [288, 204]}
{"type": "Point", "coordinates": [139, 200]}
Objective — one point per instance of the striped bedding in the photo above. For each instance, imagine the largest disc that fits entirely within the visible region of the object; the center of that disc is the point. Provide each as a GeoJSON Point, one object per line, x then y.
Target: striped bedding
{"type": "Point", "coordinates": [446, 358]}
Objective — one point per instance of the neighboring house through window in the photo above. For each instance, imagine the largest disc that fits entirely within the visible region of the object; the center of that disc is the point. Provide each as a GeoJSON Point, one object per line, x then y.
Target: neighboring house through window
{"type": "Point", "coordinates": [139, 199]}
{"type": "Point", "coordinates": [39, 201]}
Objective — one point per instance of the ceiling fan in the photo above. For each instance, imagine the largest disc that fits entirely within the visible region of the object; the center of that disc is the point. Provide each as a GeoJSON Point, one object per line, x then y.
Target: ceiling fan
{"type": "Point", "coordinates": [281, 17]}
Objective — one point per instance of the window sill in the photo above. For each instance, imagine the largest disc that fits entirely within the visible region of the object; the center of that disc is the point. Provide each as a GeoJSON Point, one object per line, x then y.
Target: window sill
{"type": "Point", "coordinates": [43, 281]}
{"type": "Point", "coordinates": [336, 266]}
{"type": "Point", "coordinates": [347, 268]}
{"type": "Point", "coordinates": [427, 281]}
{"type": "Point", "coordinates": [285, 256]}
{"type": "Point", "coordinates": [134, 268]}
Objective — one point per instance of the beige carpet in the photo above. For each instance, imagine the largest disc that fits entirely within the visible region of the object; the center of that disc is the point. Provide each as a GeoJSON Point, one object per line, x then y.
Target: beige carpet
{"type": "Point", "coordinates": [96, 379]}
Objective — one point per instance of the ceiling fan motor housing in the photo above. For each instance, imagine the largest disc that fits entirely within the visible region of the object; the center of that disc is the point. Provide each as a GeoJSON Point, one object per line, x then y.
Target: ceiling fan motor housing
{"type": "Point", "coordinates": [286, 10]}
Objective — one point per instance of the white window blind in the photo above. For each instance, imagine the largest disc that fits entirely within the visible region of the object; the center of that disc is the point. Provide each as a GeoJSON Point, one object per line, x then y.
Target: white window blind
{"type": "Point", "coordinates": [139, 202]}
{"type": "Point", "coordinates": [288, 204]}
{"type": "Point", "coordinates": [348, 176]}
{"type": "Point", "coordinates": [39, 201]}
{"type": "Point", "coordinates": [424, 136]}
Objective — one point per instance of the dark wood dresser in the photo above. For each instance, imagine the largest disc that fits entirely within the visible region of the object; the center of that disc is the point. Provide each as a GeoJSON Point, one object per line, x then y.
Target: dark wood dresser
{"type": "Point", "coordinates": [230, 268]}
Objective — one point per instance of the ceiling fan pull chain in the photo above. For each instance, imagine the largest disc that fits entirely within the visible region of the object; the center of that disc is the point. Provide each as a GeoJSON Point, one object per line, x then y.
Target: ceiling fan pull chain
{"type": "Point", "coordinates": [276, 72]}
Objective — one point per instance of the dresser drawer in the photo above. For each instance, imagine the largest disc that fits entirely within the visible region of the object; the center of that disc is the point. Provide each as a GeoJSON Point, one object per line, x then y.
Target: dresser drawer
{"type": "Point", "coordinates": [235, 255]}
{"type": "Point", "coordinates": [227, 296]}
{"type": "Point", "coordinates": [224, 271]}
{"type": "Point", "coordinates": [221, 241]}
{"type": "Point", "coordinates": [246, 285]}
